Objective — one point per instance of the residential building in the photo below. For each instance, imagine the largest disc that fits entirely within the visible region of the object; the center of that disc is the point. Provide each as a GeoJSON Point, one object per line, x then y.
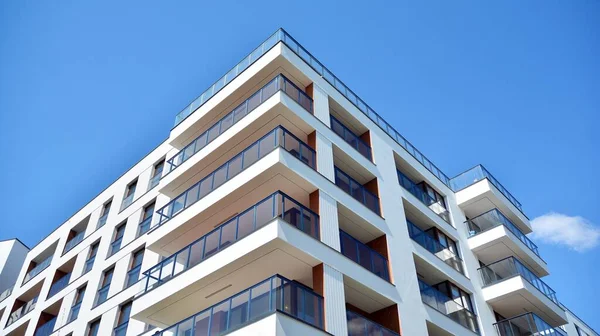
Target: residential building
{"type": "Point", "coordinates": [282, 204]}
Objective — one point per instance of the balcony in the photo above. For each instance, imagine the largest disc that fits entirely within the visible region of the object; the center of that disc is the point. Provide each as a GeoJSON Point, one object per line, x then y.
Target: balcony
{"type": "Point", "coordinates": [352, 139]}
{"type": "Point", "coordinates": [45, 329]}
{"type": "Point", "coordinates": [74, 312]}
{"type": "Point", "coordinates": [433, 246]}
{"type": "Point", "coordinates": [6, 293]}
{"type": "Point", "coordinates": [121, 330]}
{"type": "Point", "coordinates": [357, 191]}
{"type": "Point", "coordinates": [133, 276]}
{"type": "Point", "coordinates": [364, 256]}
{"type": "Point", "coordinates": [154, 181]}
{"type": "Point", "coordinates": [74, 241]}
{"type": "Point", "coordinates": [102, 295]}
{"type": "Point", "coordinates": [115, 246]}
{"type": "Point", "coordinates": [144, 226]}
{"type": "Point", "coordinates": [493, 236]}
{"type": "Point", "coordinates": [89, 264]}
{"type": "Point", "coordinates": [127, 201]}
{"type": "Point", "coordinates": [59, 285]}
{"type": "Point", "coordinates": [477, 192]}
{"type": "Point", "coordinates": [21, 311]}
{"type": "Point", "coordinates": [277, 205]}
{"type": "Point", "coordinates": [437, 207]}
{"type": "Point", "coordinates": [279, 83]}
{"type": "Point", "coordinates": [509, 287]}
{"type": "Point", "coordinates": [101, 221]}
{"type": "Point", "coordinates": [361, 326]}
{"type": "Point", "coordinates": [448, 307]}
{"type": "Point", "coordinates": [527, 324]}
{"type": "Point", "coordinates": [37, 269]}
{"type": "Point", "coordinates": [277, 138]}
{"type": "Point", "coordinates": [276, 294]}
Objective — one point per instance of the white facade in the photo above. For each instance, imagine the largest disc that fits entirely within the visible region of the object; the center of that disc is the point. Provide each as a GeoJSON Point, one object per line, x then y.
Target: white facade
{"type": "Point", "coordinates": [287, 207]}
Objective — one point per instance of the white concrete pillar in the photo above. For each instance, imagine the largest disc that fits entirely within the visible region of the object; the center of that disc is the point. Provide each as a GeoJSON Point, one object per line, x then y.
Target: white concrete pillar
{"type": "Point", "coordinates": [321, 104]}
{"type": "Point", "coordinates": [328, 221]}
{"type": "Point", "coordinates": [403, 270]}
{"type": "Point", "coordinates": [334, 301]}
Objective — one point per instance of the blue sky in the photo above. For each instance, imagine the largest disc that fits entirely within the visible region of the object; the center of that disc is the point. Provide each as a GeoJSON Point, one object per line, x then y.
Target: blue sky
{"type": "Point", "coordinates": [87, 88]}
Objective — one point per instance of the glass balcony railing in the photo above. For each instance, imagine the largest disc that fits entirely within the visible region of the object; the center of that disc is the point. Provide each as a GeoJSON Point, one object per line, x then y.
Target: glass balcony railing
{"type": "Point", "coordinates": [352, 139]}
{"type": "Point", "coordinates": [445, 305]}
{"type": "Point", "coordinates": [6, 293]}
{"type": "Point", "coordinates": [121, 330]}
{"type": "Point", "coordinates": [277, 205]}
{"type": "Point", "coordinates": [115, 246]}
{"type": "Point", "coordinates": [154, 181]}
{"type": "Point", "coordinates": [279, 137]}
{"type": "Point", "coordinates": [37, 269]}
{"type": "Point", "coordinates": [21, 311]}
{"type": "Point", "coordinates": [127, 201]}
{"type": "Point", "coordinates": [89, 264]}
{"type": "Point", "coordinates": [434, 246]}
{"type": "Point", "coordinates": [356, 190]}
{"type": "Point", "coordinates": [511, 267]}
{"type": "Point", "coordinates": [59, 285]}
{"type": "Point", "coordinates": [494, 218]}
{"type": "Point", "coordinates": [271, 295]}
{"type": "Point", "coordinates": [133, 276]}
{"type": "Point", "coordinates": [279, 83]}
{"type": "Point", "coordinates": [74, 312]}
{"type": "Point", "coordinates": [46, 329]}
{"type": "Point", "coordinates": [525, 325]}
{"type": "Point", "coordinates": [102, 295]}
{"type": "Point", "coordinates": [477, 174]}
{"type": "Point", "coordinates": [361, 326]}
{"type": "Point", "coordinates": [364, 256]}
{"type": "Point", "coordinates": [144, 226]}
{"type": "Point", "coordinates": [436, 206]}
{"type": "Point", "coordinates": [74, 241]}
{"type": "Point", "coordinates": [282, 36]}
{"type": "Point", "coordinates": [101, 221]}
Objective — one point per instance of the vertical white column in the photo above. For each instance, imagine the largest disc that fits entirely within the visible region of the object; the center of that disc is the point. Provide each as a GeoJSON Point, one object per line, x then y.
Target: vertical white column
{"type": "Point", "coordinates": [335, 308]}
{"type": "Point", "coordinates": [321, 104]}
{"type": "Point", "coordinates": [333, 280]}
{"type": "Point", "coordinates": [403, 270]}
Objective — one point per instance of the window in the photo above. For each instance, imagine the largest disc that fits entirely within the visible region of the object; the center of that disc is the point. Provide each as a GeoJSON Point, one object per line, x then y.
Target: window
{"type": "Point", "coordinates": [118, 238]}
{"type": "Point", "coordinates": [146, 219]}
{"type": "Point", "coordinates": [156, 174]}
{"type": "Point", "coordinates": [104, 286]}
{"type": "Point", "coordinates": [129, 194]}
{"type": "Point", "coordinates": [76, 304]}
{"type": "Point", "coordinates": [104, 214]}
{"type": "Point", "coordinates": [91, 257]}
{"type": "Point", "coordinates": [134, 270]}
{"type": "Point", "coordinates": [93, 328]}
{"type": "Point", "coordinates": [123, 319]}
{"type": "Point", "coordinates": [456, 294]}
{"type": "Point", "coordinates": [433, 195]}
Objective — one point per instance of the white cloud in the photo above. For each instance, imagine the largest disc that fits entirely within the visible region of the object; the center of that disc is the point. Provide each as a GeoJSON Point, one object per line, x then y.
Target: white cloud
{"type": "Point", "coordinates": [574, 232]}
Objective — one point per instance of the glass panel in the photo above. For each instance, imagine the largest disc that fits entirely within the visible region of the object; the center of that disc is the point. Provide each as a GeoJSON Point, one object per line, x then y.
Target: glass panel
{"type": "Point", "coordinates": [228, 234]}
{"type": "Point", "coordinates": [246, 224]}
{"type": "Point", "coordinates": [218, 322]}
{"type": "Point", "coordinates": [250, 156]}
{"type": "Point", "coordinates": [212, 244]}
{"type": "Point", "coordinates": [202, 321]}
{"type": "Point", "coordinates": [196, 253]}
{"type": "Point", "coordinates": [260, 299]}
{"type": "Point", "coordinates": [264, 212]}
{"type": "Point", "coordinates": [239, 310]}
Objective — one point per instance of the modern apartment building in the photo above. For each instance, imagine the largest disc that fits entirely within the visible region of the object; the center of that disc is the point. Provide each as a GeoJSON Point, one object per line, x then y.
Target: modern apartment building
{"type": "Point", "coordinates": [282, 204]}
